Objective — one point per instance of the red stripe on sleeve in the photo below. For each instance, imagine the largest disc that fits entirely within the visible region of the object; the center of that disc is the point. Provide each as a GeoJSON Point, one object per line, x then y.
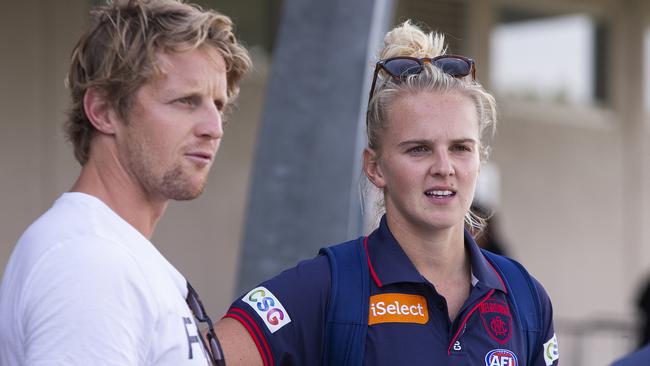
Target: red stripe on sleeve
{"type": "Point", "coordinates": [255, 332]}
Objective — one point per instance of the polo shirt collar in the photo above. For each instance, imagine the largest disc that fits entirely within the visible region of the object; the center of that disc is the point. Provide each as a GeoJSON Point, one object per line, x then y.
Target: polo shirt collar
{"type": "Point", "coordinates": [389, 264]}
{"type": "Point", "coordinates": [482, 270]}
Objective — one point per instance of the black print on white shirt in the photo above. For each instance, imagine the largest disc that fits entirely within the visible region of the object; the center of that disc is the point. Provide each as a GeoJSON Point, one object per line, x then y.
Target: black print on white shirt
{"type": "Point", "coordinates": [191, 338]}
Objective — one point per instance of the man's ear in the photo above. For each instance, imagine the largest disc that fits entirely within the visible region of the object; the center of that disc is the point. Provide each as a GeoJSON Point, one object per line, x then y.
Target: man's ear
{"type": "Point", "coordinates": [372, 169]}
{"type": "Point", "coordinates": [99, 111]}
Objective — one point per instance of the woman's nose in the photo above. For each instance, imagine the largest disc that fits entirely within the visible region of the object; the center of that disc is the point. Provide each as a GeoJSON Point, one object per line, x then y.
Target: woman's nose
{"type": "Point", "coordinates": [442, 164]}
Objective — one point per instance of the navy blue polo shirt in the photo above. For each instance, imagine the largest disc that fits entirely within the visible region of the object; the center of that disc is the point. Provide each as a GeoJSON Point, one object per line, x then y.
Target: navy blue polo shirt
{"type": "Point", "coordinates": [408, 319]}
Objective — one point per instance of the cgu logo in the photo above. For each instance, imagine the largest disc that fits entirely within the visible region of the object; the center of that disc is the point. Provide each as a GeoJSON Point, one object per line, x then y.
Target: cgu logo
{"type": "Point", "coordinates": [500, 357]}
{"type": "Point", "coordinates": [268, 307]}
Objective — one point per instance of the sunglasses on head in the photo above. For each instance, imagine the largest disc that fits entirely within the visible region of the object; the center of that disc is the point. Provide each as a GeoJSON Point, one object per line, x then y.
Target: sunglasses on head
{"type": "Point", "coordinates": [400, 67]}
{"type": "Point", "coordinates": [214, 350]}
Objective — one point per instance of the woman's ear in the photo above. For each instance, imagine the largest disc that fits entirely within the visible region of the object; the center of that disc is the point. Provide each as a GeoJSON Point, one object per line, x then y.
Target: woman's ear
{"type": "Point", "coordinates": [99, 111]}
{"type": "Point", "coordinates": [372, 169]}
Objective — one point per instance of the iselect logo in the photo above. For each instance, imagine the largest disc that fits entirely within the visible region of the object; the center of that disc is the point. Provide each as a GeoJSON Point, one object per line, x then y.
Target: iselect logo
{"type": "Point", "coordinates": [398, 308]}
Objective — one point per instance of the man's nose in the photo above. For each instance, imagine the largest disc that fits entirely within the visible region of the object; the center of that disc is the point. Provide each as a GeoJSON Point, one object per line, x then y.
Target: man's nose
{"type": "Point", "coordinates": [210, 124]}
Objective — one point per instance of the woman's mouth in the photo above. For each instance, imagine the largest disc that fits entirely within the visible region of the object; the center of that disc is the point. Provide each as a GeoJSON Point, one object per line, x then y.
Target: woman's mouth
{"type": "Point", "coordinates": [439, 193]}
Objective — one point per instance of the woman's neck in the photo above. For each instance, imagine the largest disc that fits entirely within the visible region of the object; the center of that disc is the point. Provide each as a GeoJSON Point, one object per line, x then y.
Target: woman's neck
{"type": "Point", "coordinates": [438, 254]}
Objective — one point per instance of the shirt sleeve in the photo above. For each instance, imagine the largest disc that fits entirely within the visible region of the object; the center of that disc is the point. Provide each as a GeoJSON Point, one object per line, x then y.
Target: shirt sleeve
{"type": "Point", "coordinates": [88, 305]}
{"type": "Point", "coordinates": [285, 315]}
{"type": "Point", "coordinates": [548, 353]}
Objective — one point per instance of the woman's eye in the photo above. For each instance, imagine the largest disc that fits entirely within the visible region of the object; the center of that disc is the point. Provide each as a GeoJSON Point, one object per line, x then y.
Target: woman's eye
{"type": "Point", "coordinates": [461, 148]}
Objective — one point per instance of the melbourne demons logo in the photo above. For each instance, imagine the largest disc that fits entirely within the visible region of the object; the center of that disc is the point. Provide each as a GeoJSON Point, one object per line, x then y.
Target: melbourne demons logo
{"type": "Point", "coordinates": [497, 320]}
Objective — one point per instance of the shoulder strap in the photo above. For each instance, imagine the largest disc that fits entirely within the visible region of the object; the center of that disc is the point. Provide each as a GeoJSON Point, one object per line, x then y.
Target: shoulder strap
{"type": "Point", "coordinates": [524, 297]}
{"type": "Point", "coordinates": [347, 314]}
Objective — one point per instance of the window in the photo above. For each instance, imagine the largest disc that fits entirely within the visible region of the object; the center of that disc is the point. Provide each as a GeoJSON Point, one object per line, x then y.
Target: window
{"type": "Point", "coordinates": [547, 59]}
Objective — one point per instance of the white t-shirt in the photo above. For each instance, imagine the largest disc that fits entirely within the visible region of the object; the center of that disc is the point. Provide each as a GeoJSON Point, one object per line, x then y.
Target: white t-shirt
{"type": "Point", "coordinates": [83, 287]}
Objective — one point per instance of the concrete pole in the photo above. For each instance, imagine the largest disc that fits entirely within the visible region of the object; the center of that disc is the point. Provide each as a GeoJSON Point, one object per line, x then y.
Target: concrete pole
{"type": "Point", "coordinates": [304, 193]}
{"type": "Point", "coordinates": [628, 102]}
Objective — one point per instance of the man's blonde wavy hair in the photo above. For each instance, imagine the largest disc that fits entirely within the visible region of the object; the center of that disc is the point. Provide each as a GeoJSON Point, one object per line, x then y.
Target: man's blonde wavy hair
{"type": "Point", "coordinates": [117, 54]}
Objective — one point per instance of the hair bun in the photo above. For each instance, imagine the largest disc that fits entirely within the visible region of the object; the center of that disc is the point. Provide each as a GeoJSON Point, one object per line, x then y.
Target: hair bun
{"type": "Point", "coordinates": [408, 39]}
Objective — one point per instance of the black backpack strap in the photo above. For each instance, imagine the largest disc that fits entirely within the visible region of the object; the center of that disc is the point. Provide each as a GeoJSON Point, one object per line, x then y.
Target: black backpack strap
{"type": "Point", "coordinates": [347, 314]}
{"type": "Point", "coordinates": [524, 296]}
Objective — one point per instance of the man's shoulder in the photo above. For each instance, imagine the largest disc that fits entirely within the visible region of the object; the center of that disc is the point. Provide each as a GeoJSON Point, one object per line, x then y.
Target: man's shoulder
{"type": "Point", "coordinates": [40, 260]}
{"type": "Point", "coordinates": [76, 223]}
{"type": "Point", "coordinates": [56, 230]}
{"type": "Point", "coordinates": [66, 217]}
{"type": "Point", "coordinates": [67, 240]}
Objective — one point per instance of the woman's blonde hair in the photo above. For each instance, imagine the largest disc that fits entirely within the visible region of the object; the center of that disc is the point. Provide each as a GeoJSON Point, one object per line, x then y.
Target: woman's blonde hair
{"type": "Point", "coordinates": [409, 40]}
{"type": "Point", "coordinates": [117, 54]}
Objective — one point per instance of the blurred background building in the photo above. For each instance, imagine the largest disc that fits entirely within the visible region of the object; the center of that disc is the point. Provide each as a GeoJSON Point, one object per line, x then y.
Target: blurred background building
{"type": "Point", "coordinates": [569, 175]}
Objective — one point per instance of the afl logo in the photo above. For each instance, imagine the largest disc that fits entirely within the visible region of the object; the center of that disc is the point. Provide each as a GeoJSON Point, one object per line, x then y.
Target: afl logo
{"type": "Point", "coordinates": [501, 357]}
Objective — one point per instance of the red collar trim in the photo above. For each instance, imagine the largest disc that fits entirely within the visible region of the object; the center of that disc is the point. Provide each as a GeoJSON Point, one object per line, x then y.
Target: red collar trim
{"type": "Point", "coordinates": [372, 270]}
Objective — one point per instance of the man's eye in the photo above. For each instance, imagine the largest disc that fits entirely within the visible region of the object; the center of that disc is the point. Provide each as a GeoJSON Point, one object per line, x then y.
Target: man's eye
{"type": "Point", "coordinates": [187, 100]}
{"type": "Point", "coordinates": [418, 149]}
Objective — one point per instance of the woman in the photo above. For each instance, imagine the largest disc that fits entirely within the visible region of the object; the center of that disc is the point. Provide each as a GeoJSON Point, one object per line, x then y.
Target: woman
{"type": "Point", "coordinates": [429, 295]}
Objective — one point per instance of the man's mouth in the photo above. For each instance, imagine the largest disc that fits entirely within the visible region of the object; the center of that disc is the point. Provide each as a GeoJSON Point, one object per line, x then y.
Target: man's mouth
{"type": "Point", "coordinates": [200, 156]}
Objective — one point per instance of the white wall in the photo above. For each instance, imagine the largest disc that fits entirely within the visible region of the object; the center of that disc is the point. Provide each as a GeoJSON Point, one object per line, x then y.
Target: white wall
{"type": "Point", "coordinates": [36, 38]}
{"type": "Point", "coordinates": [562, 210]}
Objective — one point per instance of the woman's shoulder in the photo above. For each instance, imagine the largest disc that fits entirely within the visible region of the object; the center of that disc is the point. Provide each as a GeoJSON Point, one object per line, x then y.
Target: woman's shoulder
{"type": "Point", "coordinates": [315, 273]}
{"type": "Point", "coordinates": [311, 273]}
{"type": "Point", "coordinates": [307, 284]}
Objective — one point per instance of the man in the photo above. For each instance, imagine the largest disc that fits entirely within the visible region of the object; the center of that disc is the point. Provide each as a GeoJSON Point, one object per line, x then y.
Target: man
{"type": "Point", "coordinates": [150, 81]}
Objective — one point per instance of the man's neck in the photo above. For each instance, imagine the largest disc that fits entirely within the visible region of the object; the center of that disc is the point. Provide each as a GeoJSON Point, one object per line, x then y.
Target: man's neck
{"type": "Point", "coordinates": [117, 190]}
